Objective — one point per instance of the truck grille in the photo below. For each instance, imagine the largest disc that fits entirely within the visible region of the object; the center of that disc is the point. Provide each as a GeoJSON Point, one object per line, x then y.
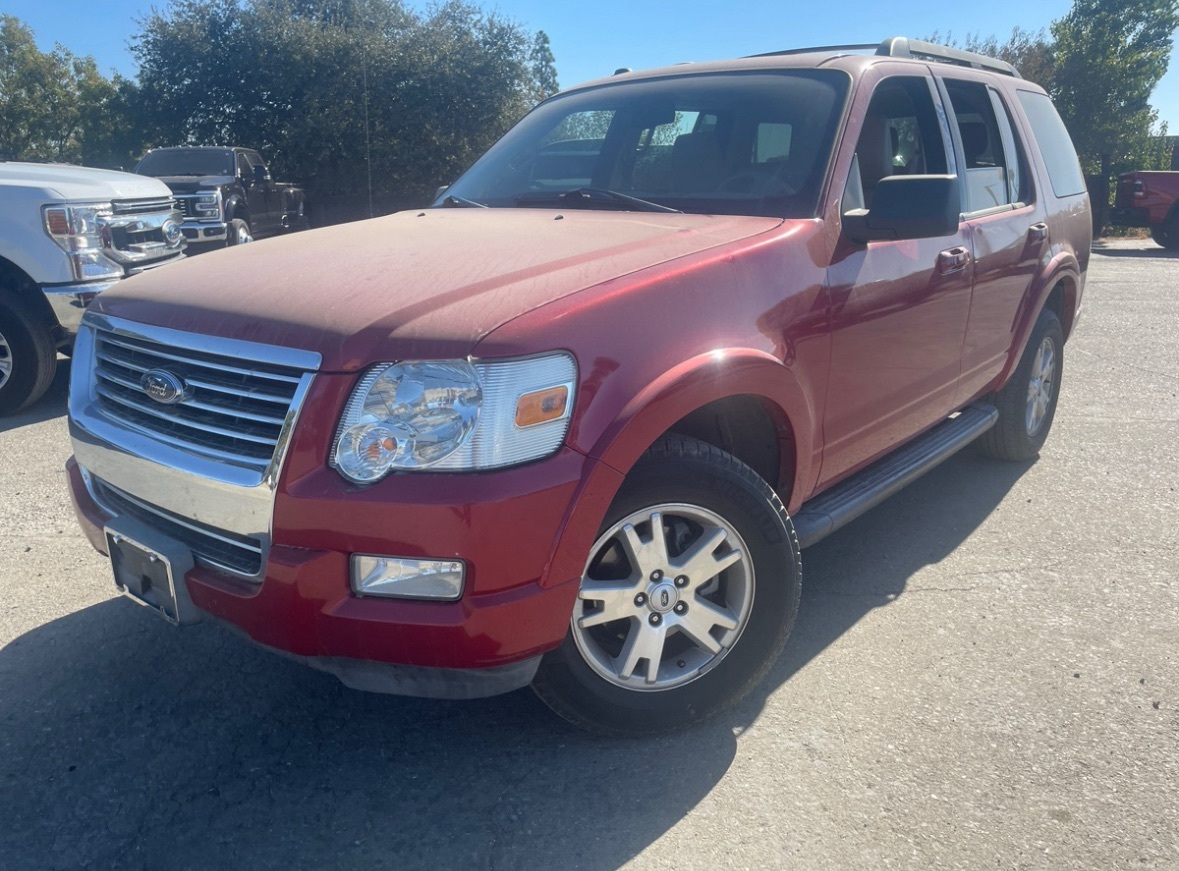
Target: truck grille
{"type": "Point", "coordinates": [186, 203]}
{"type": "Point", "coordinates": [227, 408]}
{"type": "Point", "coordinates": [142, 207]}
{"type": "Point", "coordinates": [213, 547]}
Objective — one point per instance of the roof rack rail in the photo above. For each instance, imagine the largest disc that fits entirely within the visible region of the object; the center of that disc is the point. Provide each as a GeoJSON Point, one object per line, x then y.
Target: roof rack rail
{"type": "Point", "coordinates": [899, 46]}
{"type": "Point", "coordinates": [818, 49]}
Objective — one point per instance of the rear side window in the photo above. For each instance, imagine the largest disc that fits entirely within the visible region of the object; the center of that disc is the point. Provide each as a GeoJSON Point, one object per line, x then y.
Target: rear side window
{"type": "Point", "coordinates": [993, 176]}
{"type": "Point", "coordinates": [1056, 147]}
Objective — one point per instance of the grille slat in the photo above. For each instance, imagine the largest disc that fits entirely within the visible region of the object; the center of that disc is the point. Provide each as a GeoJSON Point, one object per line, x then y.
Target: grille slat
{"type": "Point", "coordinates": [142, 207]}
{"type": "Point", "coordinates": [231, 408]}
{"type": "Point", "coordinates": [211, 546]}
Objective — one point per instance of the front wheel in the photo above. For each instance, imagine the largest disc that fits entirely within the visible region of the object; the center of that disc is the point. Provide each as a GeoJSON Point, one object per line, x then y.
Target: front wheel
{"type": "Point", "coordinates": [239, 233]}
{"type": "Point", "coordinates": [28, 360]}
{"type": "Point", "coordinates": [1027, 403]}
{"type": "Point", "coordinates": [686, 600]}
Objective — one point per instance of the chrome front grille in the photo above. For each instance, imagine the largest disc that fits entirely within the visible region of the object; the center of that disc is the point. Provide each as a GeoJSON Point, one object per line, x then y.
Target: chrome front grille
{"type": "Point", "coordinates": [142, 207]}
{"type": "Point", "coordinates": [186, 203]}
{"type": "Point", "coordinates": [218, 406]}
{"type": "Point", "coordinates": [216, 548]}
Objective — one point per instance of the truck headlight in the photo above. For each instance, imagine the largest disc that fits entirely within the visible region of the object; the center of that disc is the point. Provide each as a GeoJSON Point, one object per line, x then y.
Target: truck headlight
{"type": "Point", "coordinates": [207, 205]}
{"type": "Point", "coordinates": [81, 232]}
{"type": "Point", "coordinates": [454, 415]}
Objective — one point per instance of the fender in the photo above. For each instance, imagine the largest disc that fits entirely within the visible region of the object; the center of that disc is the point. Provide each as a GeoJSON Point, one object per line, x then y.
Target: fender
{"type": "Point", "coordinates": [699, 381]}
{"type": "Point", "coordinates": [1063, 265]}
{"type": "Point", "coordinates": [655, 409]}
{"type": "Point", "coordinates": [232, 204]}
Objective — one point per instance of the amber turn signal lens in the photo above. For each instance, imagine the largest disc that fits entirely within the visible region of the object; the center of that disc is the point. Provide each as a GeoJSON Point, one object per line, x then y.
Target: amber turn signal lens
{"type": "Point", "coordinates": [542, 406]}
{"type": "Point", "coordinates": [57, 221]}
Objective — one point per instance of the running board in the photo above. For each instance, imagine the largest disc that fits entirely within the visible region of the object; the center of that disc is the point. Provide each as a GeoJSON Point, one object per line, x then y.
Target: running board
{"type": "Point", "coordinates": [866, 489]}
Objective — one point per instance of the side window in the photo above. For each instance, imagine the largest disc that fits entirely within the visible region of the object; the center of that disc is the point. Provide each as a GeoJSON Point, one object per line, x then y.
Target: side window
{"type": "Point", "coordinates": [1060, 158]}
{"type": "Point", "coordinates": [901, 136]}
{"type": "Point", "coordinates": [992, 175]}
{"type": "Point", "coordinates": [243, 167]}
{"type": "Point", "coordinates": [1017, 173]}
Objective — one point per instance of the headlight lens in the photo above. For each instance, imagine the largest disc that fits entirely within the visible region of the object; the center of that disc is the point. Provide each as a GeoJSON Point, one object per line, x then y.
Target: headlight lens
{"type": "Point", "coordinates": [208, 205]}
{"type": "Point", "coordinates": [454, 415]}
{"type": "Point", "coordinates": [81, 232]}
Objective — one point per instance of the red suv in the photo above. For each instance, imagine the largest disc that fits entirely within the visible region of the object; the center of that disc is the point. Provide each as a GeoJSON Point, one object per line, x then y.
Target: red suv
{"type": "Point", "coordinates": [571, 425]}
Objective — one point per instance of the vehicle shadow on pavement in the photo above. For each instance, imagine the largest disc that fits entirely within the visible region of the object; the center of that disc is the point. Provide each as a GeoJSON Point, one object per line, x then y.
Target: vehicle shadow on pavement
{"type": "Point", "coordinates": [125, 743]}
{"type": "Point", "coordinates": [49, 406]}
{"type": "Point", "coordinates": [1153, 253]}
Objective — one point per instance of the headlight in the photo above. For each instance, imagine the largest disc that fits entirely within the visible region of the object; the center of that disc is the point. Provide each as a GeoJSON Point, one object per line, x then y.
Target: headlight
{"type": "Point", "coordinates": [454, 415]}
{"type": "Point", "coordinates": [81, 232]}
{"type": "Point", "coordinates": [207, 205]}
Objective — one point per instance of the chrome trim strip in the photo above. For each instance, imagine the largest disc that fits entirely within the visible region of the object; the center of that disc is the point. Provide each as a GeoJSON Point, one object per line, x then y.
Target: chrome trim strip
{"type": "Point", "coordinates": [162, 414]}
{"type": "Point", "coordinates": [286, 379]}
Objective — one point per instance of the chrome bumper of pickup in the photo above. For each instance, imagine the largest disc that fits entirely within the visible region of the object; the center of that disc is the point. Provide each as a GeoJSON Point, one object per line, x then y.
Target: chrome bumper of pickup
{"type": "Point", "coordinates": [69, 301]}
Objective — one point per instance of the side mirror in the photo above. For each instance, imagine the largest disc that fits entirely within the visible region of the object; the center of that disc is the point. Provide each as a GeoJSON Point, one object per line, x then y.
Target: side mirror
{"type": "Point", "coordinates": [908, 207]}
{"type": "Point", "coordinates": [259, 174]}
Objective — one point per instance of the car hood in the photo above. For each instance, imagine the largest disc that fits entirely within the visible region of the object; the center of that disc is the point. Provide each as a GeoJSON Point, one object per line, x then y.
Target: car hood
{"type": "Point", "coordinates": [426, 284]}
{"type": "Point", "coordinates": [183, 184]}
{"type": "Point", "coordinates": [59, 182]}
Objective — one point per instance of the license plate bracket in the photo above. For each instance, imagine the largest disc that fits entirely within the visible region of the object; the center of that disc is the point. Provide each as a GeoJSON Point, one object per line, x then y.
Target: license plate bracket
{"type": "Point", "coordinates": [149, 568]}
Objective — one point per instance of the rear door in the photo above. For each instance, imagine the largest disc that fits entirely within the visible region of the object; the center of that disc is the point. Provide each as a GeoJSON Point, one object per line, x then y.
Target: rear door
{"type": "Point", "coordinates": [1005, 221]}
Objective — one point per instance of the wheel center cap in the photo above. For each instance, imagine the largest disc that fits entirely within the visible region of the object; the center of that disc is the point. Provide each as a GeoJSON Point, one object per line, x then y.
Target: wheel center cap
{"type": "Point", "coordinates": [663, 598]}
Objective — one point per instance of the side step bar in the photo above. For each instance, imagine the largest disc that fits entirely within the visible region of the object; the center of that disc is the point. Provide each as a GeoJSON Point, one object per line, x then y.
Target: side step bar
{"type": "Point", "coordinates": [866, 489]}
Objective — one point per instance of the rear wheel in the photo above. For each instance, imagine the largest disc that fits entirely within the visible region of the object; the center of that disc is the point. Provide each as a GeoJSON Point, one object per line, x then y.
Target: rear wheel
{"type": "Point", "coordinates": [1167, 233]}
{"type": "Point", "coordinates": [28, 359]}
{"type": "Point", "coordinates": [687, 597]}
{"type": "Point", "coordinates": [1027, 404]}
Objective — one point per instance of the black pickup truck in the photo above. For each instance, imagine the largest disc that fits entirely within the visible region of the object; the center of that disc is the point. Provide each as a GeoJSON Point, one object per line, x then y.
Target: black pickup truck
{"type": "Point", "coordinates": [226, 194]}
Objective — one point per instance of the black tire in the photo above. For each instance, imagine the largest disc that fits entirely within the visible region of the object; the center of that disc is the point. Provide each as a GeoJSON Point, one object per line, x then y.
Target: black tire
{"type": "Point", "coordinates": [759, 586]}
{"type": "Point", "coordinates": [1021, 430]}
{"type": "Point", "coordinates": [239, 233]}
{"type": "Point", "coordinates": [28, 359]}
{"type": "Point", "coordinates": [1167, 233]}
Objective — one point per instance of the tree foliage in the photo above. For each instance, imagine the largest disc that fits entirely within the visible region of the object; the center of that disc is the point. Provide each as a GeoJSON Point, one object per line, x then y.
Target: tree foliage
{"type": "Point", "coordinates": [1109, 56]}
{"type": "Point", "coordinates": [340, 94]}
{"type": "Point", "coordinates": [55, 106]}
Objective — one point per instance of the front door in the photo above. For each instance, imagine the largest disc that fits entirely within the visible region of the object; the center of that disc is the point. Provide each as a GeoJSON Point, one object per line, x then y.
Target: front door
{"type": "Point", "coordinates": [899, 309]}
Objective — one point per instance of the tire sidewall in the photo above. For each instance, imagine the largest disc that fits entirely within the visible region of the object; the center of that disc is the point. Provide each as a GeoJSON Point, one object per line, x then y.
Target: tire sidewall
{"type": "Point", "coordinates": [770, 538]}
{"type": "Point", "coordinates": [15, 323]}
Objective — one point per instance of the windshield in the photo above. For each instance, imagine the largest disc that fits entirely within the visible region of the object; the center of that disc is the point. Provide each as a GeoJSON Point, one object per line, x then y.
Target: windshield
{"type": "Point", "coordinates": [186, 161]}
{"type": "Point", "coordinates": [729, 143]}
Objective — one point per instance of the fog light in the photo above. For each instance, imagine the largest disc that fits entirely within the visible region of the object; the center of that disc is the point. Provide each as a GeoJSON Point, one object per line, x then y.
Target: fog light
{"type": "Point", "coordinates": [406, 578]}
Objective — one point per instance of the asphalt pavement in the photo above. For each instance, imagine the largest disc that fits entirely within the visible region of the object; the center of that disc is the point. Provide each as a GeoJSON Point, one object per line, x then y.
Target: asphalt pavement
{"type": "Point", "coordinates": [984, 674]}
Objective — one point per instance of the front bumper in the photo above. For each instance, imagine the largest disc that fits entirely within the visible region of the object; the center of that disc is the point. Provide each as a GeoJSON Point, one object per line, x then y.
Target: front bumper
{"type": "Point", "coordinates": [516, 608]}
{"type": "Point", "coordinates": [69, 301]}
{"type": "Point", "coordinates": [205, 231]}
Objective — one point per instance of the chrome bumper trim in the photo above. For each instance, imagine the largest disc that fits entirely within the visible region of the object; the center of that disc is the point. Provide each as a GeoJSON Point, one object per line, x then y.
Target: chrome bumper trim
{"type": "Point", "coordinates": [69, 301]}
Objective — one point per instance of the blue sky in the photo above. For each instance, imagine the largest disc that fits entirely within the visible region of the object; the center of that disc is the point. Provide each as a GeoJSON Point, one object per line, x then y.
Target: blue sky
{"type": "Point", "coordinates": [594, 39]}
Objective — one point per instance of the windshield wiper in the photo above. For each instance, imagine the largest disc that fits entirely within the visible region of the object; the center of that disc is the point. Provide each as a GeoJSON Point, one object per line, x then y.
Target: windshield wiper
{"type": "Point", "coordinates": [586, 198]}
{"type": "Point", "coordinates": [454, 202]}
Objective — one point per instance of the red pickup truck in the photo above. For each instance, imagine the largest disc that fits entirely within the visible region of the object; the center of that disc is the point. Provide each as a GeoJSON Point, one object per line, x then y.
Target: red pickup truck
{"type": "Point", "coordinates": [571, 425]}
{"type": "Point", "coordinates": [1149, 199]}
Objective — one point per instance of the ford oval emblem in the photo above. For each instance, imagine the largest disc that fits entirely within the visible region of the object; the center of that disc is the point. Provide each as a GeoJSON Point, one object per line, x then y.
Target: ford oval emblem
{"type": "Point", "coordinates": [163, 386]}
{"type": "Point", "coordinates": [172, 233]}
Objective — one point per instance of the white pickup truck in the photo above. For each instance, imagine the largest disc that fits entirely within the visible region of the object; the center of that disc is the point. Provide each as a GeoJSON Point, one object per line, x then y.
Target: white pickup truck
{"type": "Point", "coordinates": [66, 234]}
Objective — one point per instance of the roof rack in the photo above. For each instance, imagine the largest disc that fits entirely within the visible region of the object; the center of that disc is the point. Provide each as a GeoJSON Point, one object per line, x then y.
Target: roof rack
{"type": "Point", "coordinates": [900, 46]}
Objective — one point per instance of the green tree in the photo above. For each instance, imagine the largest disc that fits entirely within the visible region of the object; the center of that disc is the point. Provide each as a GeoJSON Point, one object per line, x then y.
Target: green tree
{"type": "Point", "coordinates": [56, 106]}
{"type": "Point", "coordinates": [346, 96]}
{"type": "Point", "coordinates": [1030, 52]}
{"type": "Point", "coordinates": [1109, 56]}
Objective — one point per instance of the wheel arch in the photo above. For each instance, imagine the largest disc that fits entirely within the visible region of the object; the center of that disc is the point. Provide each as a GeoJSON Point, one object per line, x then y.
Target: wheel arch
{"type": "Point", "coordinates": [704, 398]}
{"type": "Point", "coordinates": [1059, 290]}
{"type": "Point", "coordinates": [15, 280]}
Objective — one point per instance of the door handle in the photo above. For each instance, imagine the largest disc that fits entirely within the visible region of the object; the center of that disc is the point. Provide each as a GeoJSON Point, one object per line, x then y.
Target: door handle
{"type": "Point", "coordinates": [952, 260]}
{"type": "Point", "coordinates": [1037, 232]}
